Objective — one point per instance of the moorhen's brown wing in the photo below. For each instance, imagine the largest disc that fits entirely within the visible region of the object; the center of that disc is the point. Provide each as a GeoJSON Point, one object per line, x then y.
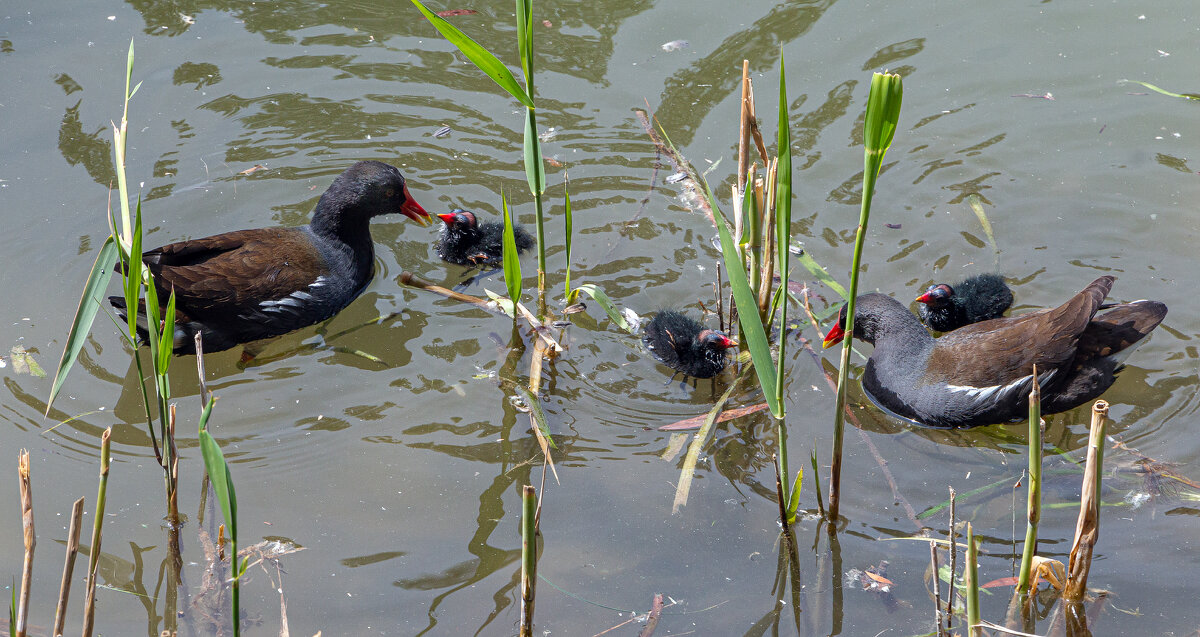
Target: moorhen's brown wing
{"type": "Point", "coordinates": [1000, 351]}
{"type": "Point", "coordinates": [234, 271]}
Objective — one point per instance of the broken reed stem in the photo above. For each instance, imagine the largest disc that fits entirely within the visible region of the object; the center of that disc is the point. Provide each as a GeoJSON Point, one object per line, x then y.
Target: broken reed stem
{"type": "Point", "coordinates": [971, 575]}
{"type": "Point", "coordinates": [528, 557]}
{"type": "Point", "coordinates": [89, 604]}
{"type": "Point", "coordinates": [937, 591]}
{"type": "Point", "coordinates": [1034, 503]}
{"type": "Point", "coordinates": [1087, 528]}
{"type": "Point", "coordinates": [64, 589]}
{"type": "Point", "coordinates": [30, 541]}
{"type": "Point", "coordinates": [953, 563]}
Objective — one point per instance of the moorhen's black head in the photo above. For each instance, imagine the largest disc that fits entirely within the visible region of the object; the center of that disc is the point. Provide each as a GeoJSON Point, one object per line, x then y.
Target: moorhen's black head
{"type": "Point", "coordinates": [366, 189]}
{"type": "Point", "coordinates": [874, 315]}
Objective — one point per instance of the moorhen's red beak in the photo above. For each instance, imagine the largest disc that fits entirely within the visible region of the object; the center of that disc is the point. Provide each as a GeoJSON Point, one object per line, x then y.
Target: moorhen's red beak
{"type": "Point", "coordinates": [413, 210]}
{"type": "Point", "coordinates": [924, 298]}
{"type": "Point", "coordinates": [729, 342]}
{"type": "Point", "coordinates": [447, 217]}
{"type": "Point", "coordinates": [834, 336]}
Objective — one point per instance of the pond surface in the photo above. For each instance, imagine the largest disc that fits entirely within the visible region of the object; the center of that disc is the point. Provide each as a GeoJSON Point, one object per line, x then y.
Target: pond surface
{"type": "Point", "coordinates": [401, 478]}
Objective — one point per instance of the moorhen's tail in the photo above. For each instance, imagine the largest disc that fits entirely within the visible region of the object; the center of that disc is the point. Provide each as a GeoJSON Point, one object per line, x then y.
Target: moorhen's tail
{"type": "Point", "coordinates": [1108, 340]}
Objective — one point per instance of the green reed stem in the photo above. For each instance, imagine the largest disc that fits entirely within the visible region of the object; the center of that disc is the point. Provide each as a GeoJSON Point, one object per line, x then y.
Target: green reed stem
{"type": "Point", "coordinates": [529, 550]}
{"type": "Point", "coordinates": [1034, 505]}
{"type": "Point", "coordinates": [883, 112]}
{"type": "Point", "coordinates": [89, 605]}
{"type": "Point", "coordinates": [783, 240]}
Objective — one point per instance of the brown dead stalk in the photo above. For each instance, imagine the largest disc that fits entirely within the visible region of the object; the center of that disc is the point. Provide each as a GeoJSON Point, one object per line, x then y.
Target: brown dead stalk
{"type": "Point", "coordinates": [64, 590]}
{"type": "Point", "coordinates": [1087, 528]}
{"type": "Point", "coordinates": [30, 541]}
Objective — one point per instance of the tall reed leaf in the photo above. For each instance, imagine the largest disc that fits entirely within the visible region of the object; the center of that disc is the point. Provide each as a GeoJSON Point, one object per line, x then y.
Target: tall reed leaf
{"type": "Point", "coordinates": [752, 331]}
{"type": "Point", "coordinates": [525, 41]}
{"type": "Point", "coordinates": [85, 314]}
{"type": "Point", "coordinates": [479, 56]}
{"type": "Point", "coordinates": [569, 222]}
{"type": "Point", "coordinates": [783, 229]}
{"type": "Point", "coordinates": [512, 264]}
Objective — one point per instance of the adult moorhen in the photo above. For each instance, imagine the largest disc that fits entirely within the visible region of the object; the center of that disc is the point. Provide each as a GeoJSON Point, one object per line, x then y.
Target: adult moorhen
{"type": "Point", "coordinates": [685, 345]}
{"type": "Point", "coordinates": [978, 298]}
{"type": "Point", "coordinates": [465, 241]}
{"type": "Point", "coordinates": [247, 285]}
{"type": "Point", "coordinates": [982, 373]}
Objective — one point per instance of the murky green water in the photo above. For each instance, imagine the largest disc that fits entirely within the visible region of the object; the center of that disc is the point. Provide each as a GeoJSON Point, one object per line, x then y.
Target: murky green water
{"type": "Point", "coordinates": [401, 479]}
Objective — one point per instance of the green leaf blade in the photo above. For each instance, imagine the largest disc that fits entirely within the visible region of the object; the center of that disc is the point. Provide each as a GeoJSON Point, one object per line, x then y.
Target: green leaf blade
{"type": "Point", "coordinates": [85, 314]}
{"type": "Point", "coordinates": [479, 56]}
{"type": "Point", "coordinates": [512, 262]}
{"type": "Point", "coordinates": [568, 220]}
{"type": "Point", "coordinates": [752, 331]}
{"type": "Point", "coordinates": [609, 308]}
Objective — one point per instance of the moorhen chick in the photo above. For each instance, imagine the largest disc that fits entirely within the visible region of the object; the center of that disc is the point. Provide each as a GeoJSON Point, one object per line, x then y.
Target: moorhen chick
{"type": "Point", "coordinates": [247, 285]}
{"type": "Point", "coordinates": [465, 241]}
{"type": "Point", "coordinates": [978, 298]}
{"type": "Point", "coordinates": [981, 374]}
{"type": "Point", "coordinates": [686, 346]}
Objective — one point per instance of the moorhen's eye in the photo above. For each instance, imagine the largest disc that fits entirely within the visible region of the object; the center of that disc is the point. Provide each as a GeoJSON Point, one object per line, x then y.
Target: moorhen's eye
{"type": "Point", "coordinates": [391, 192]}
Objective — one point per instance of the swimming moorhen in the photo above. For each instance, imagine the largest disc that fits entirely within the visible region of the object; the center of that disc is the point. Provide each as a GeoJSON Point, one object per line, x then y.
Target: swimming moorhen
{"type": "Point", "coordinates": [982, 373]}
{"type": "Point", "coordinates": [685, 345]}
{"type": "Point", "coordinates": [978, 298]}
{"type": "Point", "coordinates": [247, 285]}
{"type": "Point", "coordinates": [465, 241]}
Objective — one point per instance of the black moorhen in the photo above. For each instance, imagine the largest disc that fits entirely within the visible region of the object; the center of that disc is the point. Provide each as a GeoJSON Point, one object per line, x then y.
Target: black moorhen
{"type": "Point", "coordinates": [982, 373]}
{"type": "Point", "coordinates": [685, 345]}
{"type": "Point", "coordinates": [465, 241]}
{"type": "Point", "coordinates": [978, 298]}
{"type": "Point", "coordinates": [247, 285]}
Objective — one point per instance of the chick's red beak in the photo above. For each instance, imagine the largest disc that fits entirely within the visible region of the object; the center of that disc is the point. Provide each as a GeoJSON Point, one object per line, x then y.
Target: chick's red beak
{"type": "Point", "coordinates": [447, 217]}
{"type": "Point", "coordinates": [413, 210]}
{"type": "Point", "coordinates": [924, 298]}
{"type": "Point", "coordinates": [834, 336]}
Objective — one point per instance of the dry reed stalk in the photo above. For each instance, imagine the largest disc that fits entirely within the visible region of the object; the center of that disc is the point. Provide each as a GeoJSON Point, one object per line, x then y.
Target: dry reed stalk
{"type": "Point", "coordinates": [64, 589]}
{"type": "Point", "coordinates": [971, 583]}
{"type": "Point", "coordinates": [767, 227]}
{"type": "Point", "coordinates": [744, 132]}
{"type": "Point", "coordinates": [1087, 527]}
{"type": "Point", "coordinates": [30, 541]}
{"type": "Point", "coordinates": [937, 591]}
